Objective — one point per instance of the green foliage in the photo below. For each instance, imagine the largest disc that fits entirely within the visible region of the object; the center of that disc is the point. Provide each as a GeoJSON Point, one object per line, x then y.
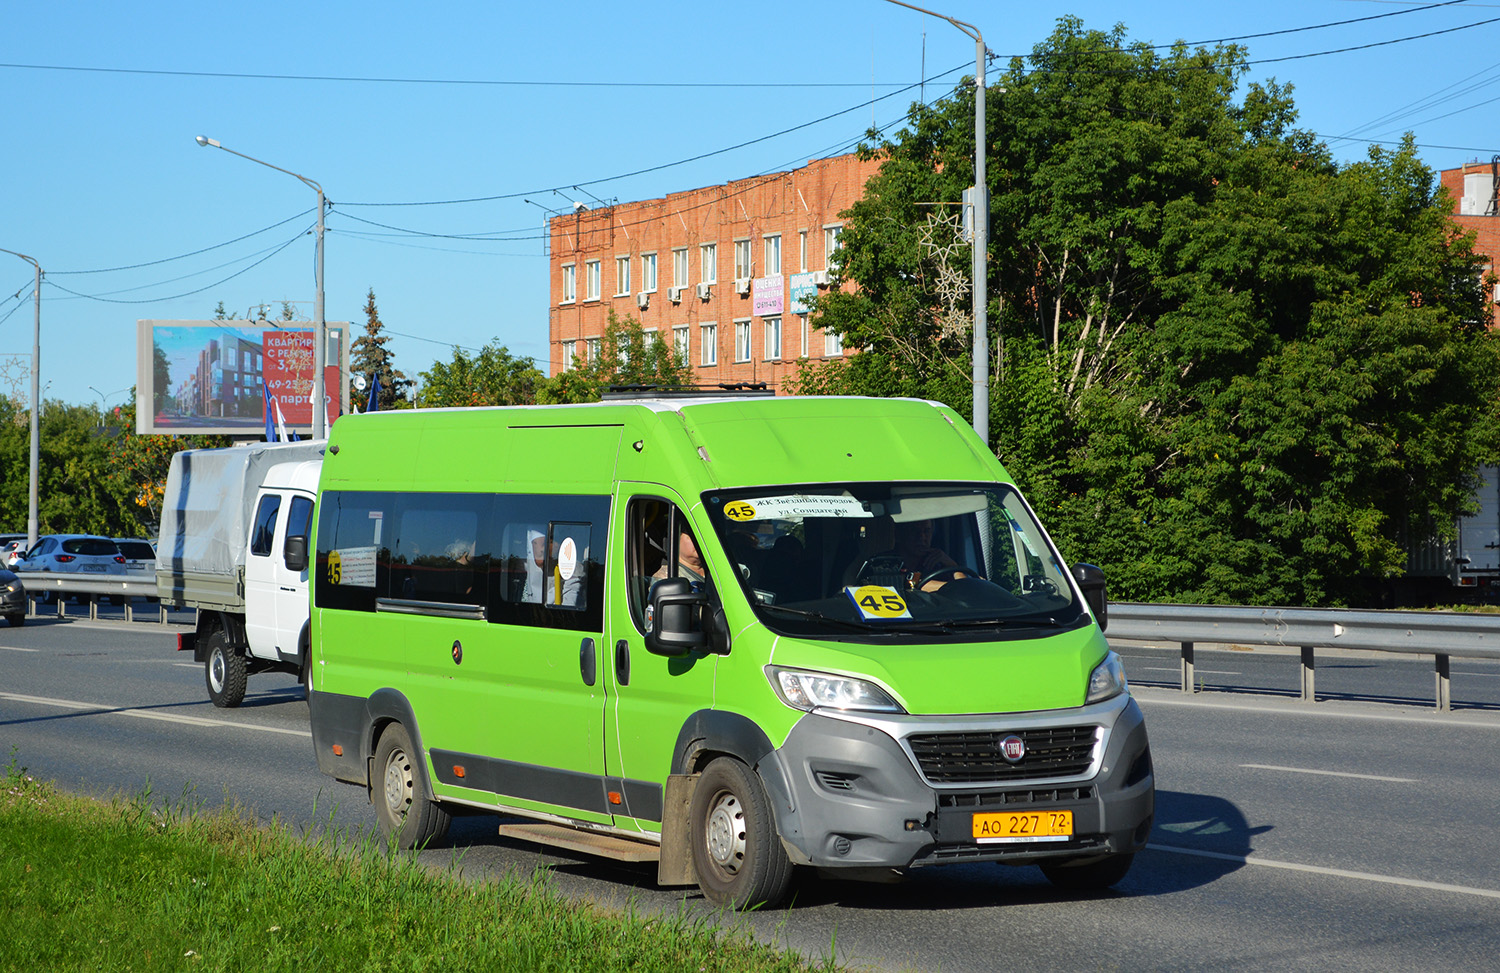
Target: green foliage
{"type": "Point", "coordinates": [369, 357]}
{"type": "Point", "coordinates": [628, 356]}
{"type": "Point", "coordinates": [492, 377]}
{"type": "Point", "coordinates": [1224, 367]}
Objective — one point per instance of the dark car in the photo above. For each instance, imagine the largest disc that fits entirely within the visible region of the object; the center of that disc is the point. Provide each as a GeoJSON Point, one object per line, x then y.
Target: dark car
{"type": "Point", "coordinates": [12, 598]}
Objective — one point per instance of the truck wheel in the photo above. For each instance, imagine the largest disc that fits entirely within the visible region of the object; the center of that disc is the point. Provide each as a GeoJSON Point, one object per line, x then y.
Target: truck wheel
{"type": "Point", "coordinates": [1094, 876]}
{"type": "Point", "coordinates": [403, 806]}
{"type": "Point", "coordinates": [737, 855]}
{"type": "Point", "coordinates": [225, 672]}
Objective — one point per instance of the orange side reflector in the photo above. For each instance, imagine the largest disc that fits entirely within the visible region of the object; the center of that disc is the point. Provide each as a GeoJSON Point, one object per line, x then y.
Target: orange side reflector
{"type": "Point", "coordinates": [458, 770]}
{"type": "Point", "coordinates": [614, 797]}
{"type": "Point", "coordinates": [338, 749]}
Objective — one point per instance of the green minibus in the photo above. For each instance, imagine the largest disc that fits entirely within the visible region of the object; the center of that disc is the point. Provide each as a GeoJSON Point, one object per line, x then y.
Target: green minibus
{"type": "Point", "coordinates": [728, 635]}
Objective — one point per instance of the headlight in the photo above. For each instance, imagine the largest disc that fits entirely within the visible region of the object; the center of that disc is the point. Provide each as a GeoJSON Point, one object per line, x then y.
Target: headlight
{"type": "Point", "coordinates": [805, 690]}
{"type": "Point", "coordinates": [1107, 680]}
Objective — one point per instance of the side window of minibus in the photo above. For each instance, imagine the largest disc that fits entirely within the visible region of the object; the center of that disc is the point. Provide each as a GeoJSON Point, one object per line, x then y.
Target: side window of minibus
{"type": "Point", "coordinates": [545, 569]}
{"type": "Point", "coordinates": [435, 557]}
{"type": "Point", "coordinates": [659, 544]}
{"type": "Point", "coordinates": [354, 556]}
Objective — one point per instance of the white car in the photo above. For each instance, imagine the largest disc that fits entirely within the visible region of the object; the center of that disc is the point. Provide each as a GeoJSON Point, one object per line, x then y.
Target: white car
{"type": "Point", "coordinates": [11, 551]}
{"type": "Point", "coordinates": [73, 554]}
{"type": "Point", "coordinates": [140, 557]}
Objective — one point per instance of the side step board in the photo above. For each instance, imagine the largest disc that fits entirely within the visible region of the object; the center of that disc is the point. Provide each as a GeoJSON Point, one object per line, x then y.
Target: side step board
{"type": "Point", "coordinates": [588, 842]}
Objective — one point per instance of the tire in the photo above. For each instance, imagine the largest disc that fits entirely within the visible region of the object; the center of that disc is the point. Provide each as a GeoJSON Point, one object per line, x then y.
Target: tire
{"type": "Point", "coordinates": [1094, 876]}
{"type": "Point", "coordinates": [737, 854]}
{"type": "Point", "coordinates": [305, 676]}
{"type": "Point", "coordinates": [404, 807]}
{"type": "Point", "coordinates": [16, 621]}
{"type": "Point", "coordinates": [224, 671]}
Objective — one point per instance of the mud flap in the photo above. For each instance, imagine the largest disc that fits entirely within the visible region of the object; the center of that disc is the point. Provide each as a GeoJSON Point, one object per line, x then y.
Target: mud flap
{"type": "Point", "coordinates": [676, 865]}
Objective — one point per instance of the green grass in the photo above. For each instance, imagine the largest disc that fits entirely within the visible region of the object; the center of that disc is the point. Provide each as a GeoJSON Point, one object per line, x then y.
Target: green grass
{"type": "Point", "coordinates": [128, 884]}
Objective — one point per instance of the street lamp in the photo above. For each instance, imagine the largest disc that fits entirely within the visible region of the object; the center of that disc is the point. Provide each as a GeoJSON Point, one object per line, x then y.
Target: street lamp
{"type": "Point", "coordinates": [981, 229]}
{"type": "Point", "coordinates": [104, 400]}
{"type": "Point", "coordinates": [36, 396]}
{"type": "Point", "coordinates": [320, 327]}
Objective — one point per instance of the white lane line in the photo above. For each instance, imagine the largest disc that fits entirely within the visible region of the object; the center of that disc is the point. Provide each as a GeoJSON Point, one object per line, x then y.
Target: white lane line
{"type": "Point", "coordinates": [1201, 672]}
{"type": "Point", "coordinates": [1330, 773]}
{"type": "Point", "coordinates": [1429, 716]}
{"type": "Point", "coordinates": [17, 648]}
{"type": "Point", "coordinates": [1414, 883]}
{"type": "Point", "coordinates": [150, 714]}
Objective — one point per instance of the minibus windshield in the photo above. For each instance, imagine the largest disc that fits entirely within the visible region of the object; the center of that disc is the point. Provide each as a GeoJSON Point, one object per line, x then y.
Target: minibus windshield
{"type": "Point", "coordinates": [880, 561]}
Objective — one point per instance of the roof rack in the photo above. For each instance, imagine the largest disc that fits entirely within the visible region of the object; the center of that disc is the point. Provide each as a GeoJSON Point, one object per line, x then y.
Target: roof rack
{"type": "Point", "coordinates": [617, 393]}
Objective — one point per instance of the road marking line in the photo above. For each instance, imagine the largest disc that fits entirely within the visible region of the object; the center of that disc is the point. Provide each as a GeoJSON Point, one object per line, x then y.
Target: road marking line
{"type": "Point", "coordinates": [150, 715]}
{"type": "Point", "coordinates": [17, 648]}
{"type": "Point", "coordinates": [1415, 883]}
{"type": "Point", "coordinates": [1295, 707]}
{"type": "Point", "coordinates": [1330, 773]}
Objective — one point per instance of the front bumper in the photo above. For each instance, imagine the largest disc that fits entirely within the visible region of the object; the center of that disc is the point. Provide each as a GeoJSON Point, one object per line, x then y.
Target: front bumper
{"type": "Point", "coordinates": [13, 602]}
{"type": "Point", "coordinates": [850, 794]}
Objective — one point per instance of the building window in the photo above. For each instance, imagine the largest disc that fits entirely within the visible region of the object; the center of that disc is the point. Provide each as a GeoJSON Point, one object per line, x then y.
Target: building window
{"type": "Point", "coordinates": [833, 345]}
{"type": "Point", "coordinates": [596, 348]}
{"type": "Point", "coordinates": [802, 318]}
{"type": "Point", "coordinates": [622, 349]}
{"type": "Point", "coordinates": [591, 280]}
{"type": "Point", "coordinates": [680, 344]}
{"type": "Point", "coordinates": [708, 342]}
{"type": "Point", "coordinates": [622, 276]}
{"type": "Point", "coordinates": [742, 340]}
{"type": "Point", "coordinates": [680, 267]}
{"type": "Point", "coordinates": [831, 246]}
{"type": "Point", "coordinates": [802, 250]}
{"type": "Point", "coordinates": [773, 255]}
{"type": "Point", "coordinates": [708, 262]}
{"type": "Point", "coordinates": [773, 339]}
{"type": "Point", "coordinates": [569, 350]}
{"type": "Point", "coordinates": [648, 272]}
{"type": "Point", "coordinates": [742, 267]}
{"type": "Point", "coordinates": [570, 284]}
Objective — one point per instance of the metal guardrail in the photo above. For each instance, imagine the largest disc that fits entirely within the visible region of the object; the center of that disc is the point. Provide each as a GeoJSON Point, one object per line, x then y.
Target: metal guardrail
{"type": "Point", "coordinates": [45, 582]}
{"type": "Point", "coordinates": [1438, 634]}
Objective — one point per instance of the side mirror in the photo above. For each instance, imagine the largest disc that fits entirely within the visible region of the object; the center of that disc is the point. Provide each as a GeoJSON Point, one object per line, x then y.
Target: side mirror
{"type": "Point", "coordinates": [1091, 581]}
{"type": "Point", "coordinates": [294, 555]}
{"type": "Point", "coordinates": [676, 612]}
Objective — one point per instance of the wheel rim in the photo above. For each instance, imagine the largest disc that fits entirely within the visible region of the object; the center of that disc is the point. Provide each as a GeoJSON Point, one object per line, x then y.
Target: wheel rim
{"type": "Point", "coordinates": [726, 833]}
{"type": "Point", "coordinates": [398, 783]}
{"type": "Point", "coordinates": [216, 671]}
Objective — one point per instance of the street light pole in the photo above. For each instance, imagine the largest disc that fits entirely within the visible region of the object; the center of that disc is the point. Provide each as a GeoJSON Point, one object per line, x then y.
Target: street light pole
{"type": "Point", "coordinates": [320, 327]}
{"type": "Point", "coordinates": [980, 269]}
{"type": "Point", "coordinates": [36, 405]}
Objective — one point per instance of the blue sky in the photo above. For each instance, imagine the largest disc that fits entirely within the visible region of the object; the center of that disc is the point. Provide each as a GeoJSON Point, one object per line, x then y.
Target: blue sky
{"type": "Point", "coordinates": [99, 170]}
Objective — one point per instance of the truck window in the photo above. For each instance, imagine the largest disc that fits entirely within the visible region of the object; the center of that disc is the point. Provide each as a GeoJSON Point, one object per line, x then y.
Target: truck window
{"type": "Point", "coordinates": [299, 517]}
{"type": "Point", "coordinates": [263, 535]}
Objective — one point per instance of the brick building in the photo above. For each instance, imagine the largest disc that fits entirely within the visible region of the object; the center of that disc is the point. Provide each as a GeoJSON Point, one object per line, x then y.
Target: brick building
{"type": "Point", "coordinates": [1473, 188]}
{"type": "Point", "coordinates": [719, 271]}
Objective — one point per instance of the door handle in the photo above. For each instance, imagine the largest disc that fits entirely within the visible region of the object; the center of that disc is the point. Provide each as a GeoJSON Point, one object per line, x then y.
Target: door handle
{"type": "Point", "coordinates": [587, 664]}
{"type": "Point", "coordinates": [622, 662]}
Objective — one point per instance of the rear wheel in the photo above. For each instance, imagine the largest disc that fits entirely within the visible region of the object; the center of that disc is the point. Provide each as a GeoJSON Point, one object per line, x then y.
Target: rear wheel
{"type": "Point", "coordinates": [403, 806]}
{"type": "Point", "coordinates": [737, 855]}
{"type": "Point", "coordinates": [1093, 876]}
{"type": "Point", "coordinates": [225, 672]}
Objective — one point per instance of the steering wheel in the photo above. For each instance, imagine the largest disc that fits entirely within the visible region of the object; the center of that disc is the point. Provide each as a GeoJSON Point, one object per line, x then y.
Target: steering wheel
{"type": "Point", "coordinates": [954, 569]}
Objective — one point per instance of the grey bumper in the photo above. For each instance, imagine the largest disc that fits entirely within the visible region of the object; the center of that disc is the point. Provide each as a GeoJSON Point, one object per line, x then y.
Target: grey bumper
{"type": "Point", "coordinates": [848, 795]}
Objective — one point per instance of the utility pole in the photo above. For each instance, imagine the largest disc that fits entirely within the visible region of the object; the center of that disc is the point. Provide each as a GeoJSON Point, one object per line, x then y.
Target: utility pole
{"type": "Point", "coordinates": [36, 405]}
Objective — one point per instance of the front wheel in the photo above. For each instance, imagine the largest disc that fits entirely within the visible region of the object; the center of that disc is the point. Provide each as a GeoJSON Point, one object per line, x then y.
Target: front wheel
{"type": "Point", "coordinates": [403, 806]}
{"type": "Point", "coordinates": [225, 671]}
{"type": "Point", "coordinates": [737, 855]}
{"type": "Point", "coordinates": [1094, 876]}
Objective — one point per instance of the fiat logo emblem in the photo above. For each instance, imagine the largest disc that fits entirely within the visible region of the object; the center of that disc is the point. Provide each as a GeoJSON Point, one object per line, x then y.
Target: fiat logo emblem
{"type": "Point", "coordinates": [1013, 748]}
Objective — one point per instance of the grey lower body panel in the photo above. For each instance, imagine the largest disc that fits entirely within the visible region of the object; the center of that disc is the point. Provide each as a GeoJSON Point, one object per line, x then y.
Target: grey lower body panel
{"type": "Point", "coordinates": [847, 795]}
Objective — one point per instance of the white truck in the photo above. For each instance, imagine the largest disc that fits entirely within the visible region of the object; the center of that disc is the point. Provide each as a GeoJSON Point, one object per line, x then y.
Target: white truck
{"type": "Point", "coordinates": [233, 545]}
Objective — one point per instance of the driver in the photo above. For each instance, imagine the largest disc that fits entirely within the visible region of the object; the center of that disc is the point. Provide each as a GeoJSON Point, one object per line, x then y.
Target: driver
{"type": "Point", "coordinates": [919, 558]}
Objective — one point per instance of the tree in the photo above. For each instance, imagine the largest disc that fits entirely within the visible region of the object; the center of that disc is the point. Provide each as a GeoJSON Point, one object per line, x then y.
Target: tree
{"type": "Point", "coordinates": [1226, 368]}
{"type": "Point", "coordinates": [492, 377]}
{"type": "Point", "coordinates": [627, 356]}
{"type": "Point", "coordinates": [370, 358]}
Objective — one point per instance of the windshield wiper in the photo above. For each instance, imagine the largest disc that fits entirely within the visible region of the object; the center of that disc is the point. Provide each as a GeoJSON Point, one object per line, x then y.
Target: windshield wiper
{"type": "Point", "coordinates": [847, 623]}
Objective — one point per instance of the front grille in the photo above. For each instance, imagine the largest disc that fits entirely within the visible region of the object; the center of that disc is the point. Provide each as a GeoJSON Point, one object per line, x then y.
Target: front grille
{"type": "Point", "coordinates": [974, 757]}
{"type": "Point", "coordinates": [1002, 799]}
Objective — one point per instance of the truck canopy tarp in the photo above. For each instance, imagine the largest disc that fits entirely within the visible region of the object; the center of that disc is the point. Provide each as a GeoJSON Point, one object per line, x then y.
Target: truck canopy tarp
{"type": "Point", "coordinates": [209, 503]}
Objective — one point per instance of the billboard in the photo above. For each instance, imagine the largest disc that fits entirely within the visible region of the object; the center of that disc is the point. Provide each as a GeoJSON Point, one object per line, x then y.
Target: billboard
{"type": "Point", "coordinates": [217, 376]}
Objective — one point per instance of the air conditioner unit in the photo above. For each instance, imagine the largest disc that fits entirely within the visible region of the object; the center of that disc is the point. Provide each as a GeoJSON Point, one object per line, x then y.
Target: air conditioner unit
{"type": "Point", "coordinates": [674, 294]}
{"type": "Point", "coordinates": [703, 290]}
{"type": "Point", "coordinates": [742, 286]}
{"type": "Point", "coordinates": [820, 277]}
{"type": "Point", "coordinates": [643, 300]}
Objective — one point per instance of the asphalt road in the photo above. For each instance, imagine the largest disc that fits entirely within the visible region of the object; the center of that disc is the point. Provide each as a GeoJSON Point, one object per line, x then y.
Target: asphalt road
{"type": "Point", "coordinates": [1356, 833]}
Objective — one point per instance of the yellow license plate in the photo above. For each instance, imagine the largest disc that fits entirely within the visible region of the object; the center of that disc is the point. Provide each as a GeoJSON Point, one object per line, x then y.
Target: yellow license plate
{"type": "Point", "coordinates": [1024, 826]}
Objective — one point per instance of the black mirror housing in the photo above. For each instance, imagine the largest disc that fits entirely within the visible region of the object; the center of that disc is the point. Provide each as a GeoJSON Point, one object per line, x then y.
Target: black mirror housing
{"type": "Point", "coordinates": [294, 555]}
{"type": "Point", "coordinates": [1091, 581]}
{"type": "Point", "coordinates": [676, 613]}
